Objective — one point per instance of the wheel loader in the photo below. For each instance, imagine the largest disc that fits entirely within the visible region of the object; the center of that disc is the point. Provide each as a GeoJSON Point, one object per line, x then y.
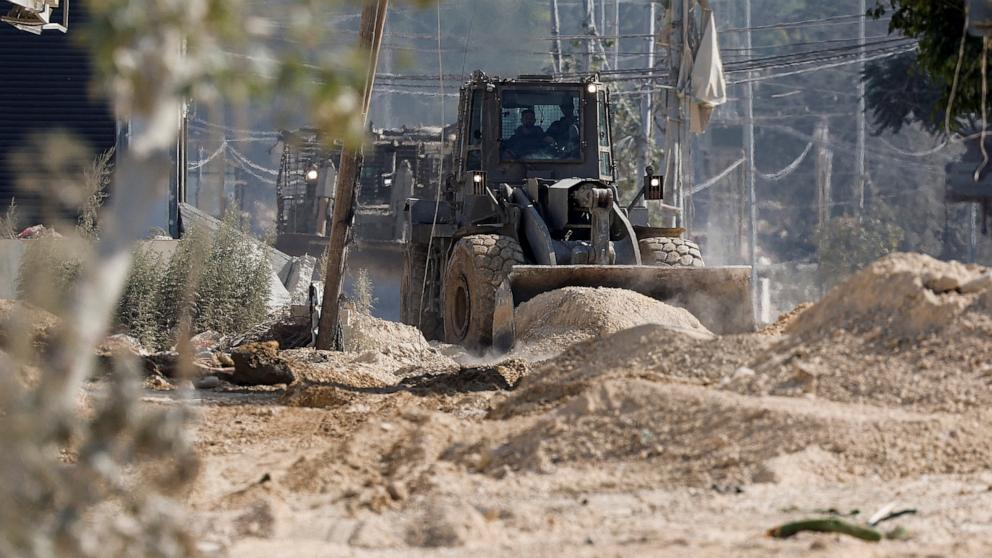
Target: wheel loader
{"type": "Point", "coordinates": [532, 205]}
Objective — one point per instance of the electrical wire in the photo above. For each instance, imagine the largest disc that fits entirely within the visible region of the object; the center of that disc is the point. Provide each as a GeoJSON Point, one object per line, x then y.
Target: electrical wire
{"type": "Point", "coordinates": [440, 173]}
{"type": "Point", "coordinates": [197, 164]}
{"type": "Point", "coordinates": [789, 169]}
{"type": "Point", "coordinates": [957, 72]}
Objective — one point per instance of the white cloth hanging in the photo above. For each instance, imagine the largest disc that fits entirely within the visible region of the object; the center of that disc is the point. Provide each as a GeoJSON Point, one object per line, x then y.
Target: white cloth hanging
{"type": "Point", "coordinates": [709, 86]}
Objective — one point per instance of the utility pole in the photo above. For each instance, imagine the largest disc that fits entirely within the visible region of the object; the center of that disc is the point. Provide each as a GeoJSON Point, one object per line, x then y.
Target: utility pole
{"type": "Point", "coordinates": [589, 23]}
{"type": "Point", "coordinates": [369, 39]}
{"type": "Point", "coordinates": [647, 97]}
{"type": "Point", "coordinates": [616, 31]}
{"type": "Point", "coordinates": [749, 170]}
{"type": "Point", "coordinates": [602, 17]}
{"type": "Point", "coordinates": [824, 169]}
{"type": "Point", "coordinates": [673, 118]}
{"type": "Point", "coordinates": [859, 163]}
{"type": "Point", "coordinates": [555, 41]}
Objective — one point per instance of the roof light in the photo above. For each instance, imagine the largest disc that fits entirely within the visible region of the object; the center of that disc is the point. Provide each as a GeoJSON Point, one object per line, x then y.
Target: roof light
{"type": "Point", "coordinates": [592, 88]}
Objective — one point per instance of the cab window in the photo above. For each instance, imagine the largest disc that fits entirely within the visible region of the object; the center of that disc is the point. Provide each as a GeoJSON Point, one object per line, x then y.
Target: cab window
{"type": "Point", "coordinates": [541, 125]}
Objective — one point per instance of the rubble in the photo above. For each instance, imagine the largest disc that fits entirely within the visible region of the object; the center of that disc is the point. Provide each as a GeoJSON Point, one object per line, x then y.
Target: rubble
{"type": "Point", "coordinates": [260, 364]}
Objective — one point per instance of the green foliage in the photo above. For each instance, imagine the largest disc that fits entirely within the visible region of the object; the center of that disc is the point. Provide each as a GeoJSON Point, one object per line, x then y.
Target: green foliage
{"type": "Point", "coordinates": [96, 184]}
{"type": "Point", "coordinates": [901, 90]}
{"type": "Point", "coordinates": [218, 282]}
{"type": "Point", "coordinates": [846, 245]}
{"type": "Point", "coordinates": [232, 292]}
{"type": "Point", "coordinates": [138, 313]}
{"type": "Point", "coordinates": [49, 268]}
{"type": "Point", "coordinates": [9, 223]}
{"type": "Point", "coordinates": [175, 302]}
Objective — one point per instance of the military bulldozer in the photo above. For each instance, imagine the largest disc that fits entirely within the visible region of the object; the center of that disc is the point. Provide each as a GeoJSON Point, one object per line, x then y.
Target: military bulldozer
{"type": "Point", "coordinates": [532, 205]}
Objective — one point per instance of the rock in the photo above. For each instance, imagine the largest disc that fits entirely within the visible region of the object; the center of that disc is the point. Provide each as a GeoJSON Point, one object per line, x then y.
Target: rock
{"type": "Point", "coordinates": [447, 525]}
{"type": "Point", "coordinates": [158, 383]}
{"type": "Point", "coordinates": [260, 364]}
{"type": "Point", "coordinates": [942, 283]}
{"type": "Point", "coordinates": [206, 382]}
{"type": "Point", "coordinates": [224, 359]}
{"type": "Point", "coordinates": [978, 284]}
{"type": "Point", "coordinates": [206, 341]}
{"type": "Point", "coordinates": [121, 344]}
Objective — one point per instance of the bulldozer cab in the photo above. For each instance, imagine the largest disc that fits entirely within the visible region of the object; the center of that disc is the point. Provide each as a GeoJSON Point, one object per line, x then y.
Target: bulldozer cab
{"type": "Point", "coordinates": [533, 127]}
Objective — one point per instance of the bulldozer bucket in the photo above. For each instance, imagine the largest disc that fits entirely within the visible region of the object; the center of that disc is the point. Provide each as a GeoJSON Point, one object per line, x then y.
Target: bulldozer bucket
{"type": "Point", "coordinates": [720, 297]}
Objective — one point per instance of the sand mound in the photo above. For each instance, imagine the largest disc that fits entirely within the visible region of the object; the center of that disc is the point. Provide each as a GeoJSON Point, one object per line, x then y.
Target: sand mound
{"type": "Point", "coordinates": [697, 436]}
{"type": "Point", "coordinates": [559, 318]}
{"type": "Point", "coordinates": [904, 295]}
{"type": "Point", "coordinates": [645, 351]}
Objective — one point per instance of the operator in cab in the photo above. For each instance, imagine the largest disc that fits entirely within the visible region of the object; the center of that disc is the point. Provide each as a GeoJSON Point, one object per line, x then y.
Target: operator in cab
{"type": "Point", "coordinates": [528, 138]}
{"type": "Point", "coordinates": [565, 130]}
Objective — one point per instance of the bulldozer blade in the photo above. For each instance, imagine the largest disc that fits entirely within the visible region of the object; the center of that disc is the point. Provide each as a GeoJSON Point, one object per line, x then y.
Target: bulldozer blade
{"type": "Point", "coordinates": [503, 328]}
{"type": "Point", "coordinates": [720, 297]}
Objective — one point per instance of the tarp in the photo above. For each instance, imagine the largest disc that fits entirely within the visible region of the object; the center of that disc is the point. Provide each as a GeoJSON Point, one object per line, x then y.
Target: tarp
{"type": "Point", "coordinates": [709, 86]}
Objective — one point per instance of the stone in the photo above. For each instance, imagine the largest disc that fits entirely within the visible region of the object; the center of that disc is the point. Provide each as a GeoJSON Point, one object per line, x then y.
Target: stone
{"type": "Point", "coordinates": [978, 284]}
{"type": "Point", "coordinates": [207, 382]}
{"type": "Point", "coordinates": [205, 341]}
{"type": "Point", "coordinates": [224, 360]}
{"type": "Point", "coordinates": [260, 364]}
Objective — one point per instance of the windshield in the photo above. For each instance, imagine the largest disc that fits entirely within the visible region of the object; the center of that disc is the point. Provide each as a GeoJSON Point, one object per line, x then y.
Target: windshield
{"type": "Point", "coordinates": [540, 125]}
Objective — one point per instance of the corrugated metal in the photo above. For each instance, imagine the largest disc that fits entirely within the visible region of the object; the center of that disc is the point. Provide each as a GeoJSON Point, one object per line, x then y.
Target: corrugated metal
{"type": "Point", "coordinates": [44, 85]}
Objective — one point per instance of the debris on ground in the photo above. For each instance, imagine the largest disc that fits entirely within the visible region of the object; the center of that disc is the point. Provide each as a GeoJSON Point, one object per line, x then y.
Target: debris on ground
{"type": "Point", "coordinates": [37, 231]}
{"type": "Point", "coordinates": [614, 414]}
{"type": "Point", "coordinates": [828, 525]}
{"type": "Point", "coordinates": [260, 364]}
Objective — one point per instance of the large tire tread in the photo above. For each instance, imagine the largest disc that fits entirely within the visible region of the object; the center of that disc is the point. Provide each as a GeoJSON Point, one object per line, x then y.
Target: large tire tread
{"type": "Point", "coordinates": [481, 262]}
{"type": "Point", "coordinates": [670, 252]}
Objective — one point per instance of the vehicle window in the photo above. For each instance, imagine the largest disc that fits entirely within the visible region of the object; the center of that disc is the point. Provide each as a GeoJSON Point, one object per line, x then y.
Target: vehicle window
{"type": "Point", "coordinates": [541, 125]}
{"type": "Point", "coordinates": [475, 129]}
{"type": "Point", "coordinates": [604, 128]}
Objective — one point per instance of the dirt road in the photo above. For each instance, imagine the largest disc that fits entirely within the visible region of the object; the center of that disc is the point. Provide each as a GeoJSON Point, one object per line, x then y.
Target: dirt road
{"type": "Point", "coordinates": [634, 439]}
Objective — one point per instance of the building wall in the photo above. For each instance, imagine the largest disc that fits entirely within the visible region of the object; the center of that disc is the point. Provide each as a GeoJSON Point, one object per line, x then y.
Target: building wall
{"type": "Point", "coordinates": [44, 85]}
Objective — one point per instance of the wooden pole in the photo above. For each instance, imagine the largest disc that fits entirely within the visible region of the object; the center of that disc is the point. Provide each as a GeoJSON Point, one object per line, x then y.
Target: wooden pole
{"type": "Point", "coordinates": [369, 39]}
{"type": "Point", "coordinates": [824, 168]}
{"type": "Point", "coordinates": [749, 170]}
{"type": "Point", "coordinates": [555, 42]}
{"type": "Point", "coordinates": [647, 97]}
{"type": "Point", "coordinates": [859, 162]}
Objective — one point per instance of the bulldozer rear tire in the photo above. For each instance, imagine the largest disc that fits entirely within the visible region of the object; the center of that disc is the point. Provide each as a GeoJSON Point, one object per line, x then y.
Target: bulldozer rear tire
{"type": "Point", "coordinates": [670, 252]}
{"type": "Point", "coordinates": [478, 265]}
{"type": "Point", "coordinates": [411, 286]}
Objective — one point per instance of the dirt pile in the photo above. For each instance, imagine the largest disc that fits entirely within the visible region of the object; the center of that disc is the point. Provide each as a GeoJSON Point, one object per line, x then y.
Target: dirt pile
{"type": "Point", "coordinates": [405, 344]}
{"type": "Point", "coordinates": [556, 319]}
{"type": "Point", "coordinates": [901, 295]}
{"type": "Point", "coordinates": [688, 435]}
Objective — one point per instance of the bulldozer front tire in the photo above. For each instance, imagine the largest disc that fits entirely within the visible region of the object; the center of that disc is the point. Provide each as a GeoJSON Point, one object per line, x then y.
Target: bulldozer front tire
{"type": "Point", "coordinates": [670, 252]}
{"type": "Point", "coordinates": [411, 286]}
{"type": "Point", "coordinates": [478, 265]}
